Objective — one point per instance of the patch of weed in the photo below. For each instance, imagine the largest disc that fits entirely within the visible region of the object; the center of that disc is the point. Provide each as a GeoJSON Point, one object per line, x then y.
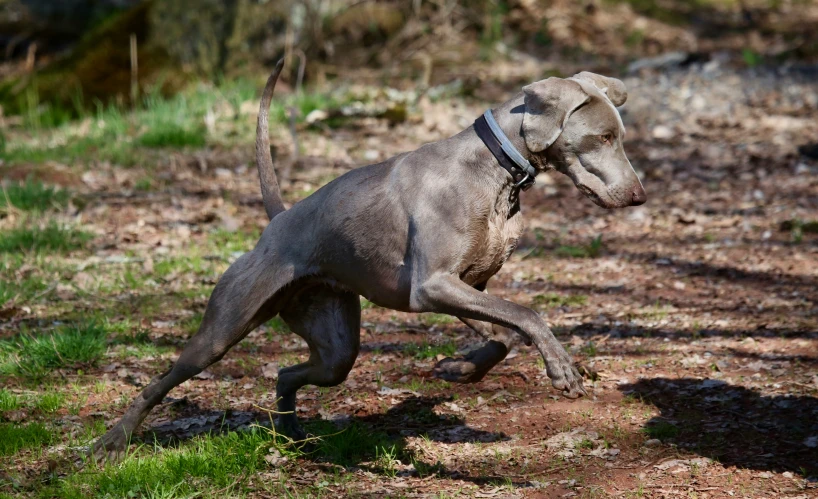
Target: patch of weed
{"type": "Point", "coordinates": [205, 463]}
{"type": "Point", "coordinates": [14, 437]}
{"type": "Point", "coordinates": [52, 237]}
{"type": "Point", "coordinates": [234, 242]}
{"type": "Point", "coordinates": [278, 326]}
{"type": "Point", "coordinates": [172, 135]}
{"type": "Point", "coordinates": [661, 430]}
{"type": "Point", "coordinates": [73, 345]}
{"type": "Point", "coordinates": [9, 401]}
{"type": "Point", "coordinates": [32, 196]}
{"type": "Point", "coordinates": [430, 351]}
{"type": "Point", "coordinates": [433, 319]}
{"type": "Point", "coordinates": [590, 250]}
{"type": "Point", "coordinates": [352, 445]}
{"type": "Point", "coordinates": [549, 300]}
{"type": "Point", "coordinates": [49, 402]}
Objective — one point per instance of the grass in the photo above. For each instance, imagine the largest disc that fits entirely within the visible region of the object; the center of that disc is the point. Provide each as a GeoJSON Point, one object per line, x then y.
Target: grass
{"type": "Point", "coordinates": [205, 463]}
{"type": "Point", "coordinates": [131, 136]}
{"type": "Point", "coordinates": [433, 319]}
{"type": "Point", "coordinates": [14, 437]}
{"type": "Point", "coordinates": [426, 350]}
{"type": "Point", "coordinates": [591, 250]}
{"type": "Point", "coordinates": [50, 402]}
{"type": "Point", "coordinates": [71, 346]}
{"type": "Point", "coordinates": [51, 237]}
{"type": "Point", "coordinates": [353, 444]}
{"type": "Point", "coordinates": [661, 430]}
{"type": "Point", "coordinates": [32, 196]}
{"type": "Point", "coordinates": [171, 135]}
{"type": "Point", "coordinates": [9, 401]}
{"type": "Point", "coordinates": [550, 300]}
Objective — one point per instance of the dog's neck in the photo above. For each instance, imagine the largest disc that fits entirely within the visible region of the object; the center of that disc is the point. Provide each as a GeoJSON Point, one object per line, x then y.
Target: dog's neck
{"type": "Point", "coordinates": [509, 116]}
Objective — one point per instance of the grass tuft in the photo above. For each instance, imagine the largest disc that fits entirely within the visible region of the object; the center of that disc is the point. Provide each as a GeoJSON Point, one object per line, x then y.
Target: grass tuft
{"type": "Point", "coordinates": [661, 430]}
{"type": "Point", "coordinates": [549, 300]}
{"type": "Point", "coordinates": [72, 346]}
{"type": "Point", "coordinates": [172, 135]}
{"type": "Point", "coordinates": [9, 401]}
{"type": "Point", "coordinates": [52, 237]}
{"type": "Point", "coordinates": [204, 463]}
{"type": "Point", "coordinates": [14, 437]}
{"type": "Point", "coordinates": [32, 196]}
{"type": "Point", "coordinates": [591, 250]}
{"type": "Point", "coordinates": [430, 351]}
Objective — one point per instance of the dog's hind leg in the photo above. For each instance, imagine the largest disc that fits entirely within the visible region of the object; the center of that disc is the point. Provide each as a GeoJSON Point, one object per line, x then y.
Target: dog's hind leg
{"type": "Point", "coordinates": [243, 299]}
{"type": "Point", "coordinates": [329, 321]}
{"type": "Point", "coordinates": [477, 363]}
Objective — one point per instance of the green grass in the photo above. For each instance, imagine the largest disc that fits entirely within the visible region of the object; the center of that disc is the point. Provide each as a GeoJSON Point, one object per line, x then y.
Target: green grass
{"type": "Point", "coordinates": [71, 346]}
{"type": "Point", "coordinates": [52, 237]}
{"type": "Point", "coordinates": [205, 464]}
{"type": "Point", "coordinates": [430, 351]}
{"type": "Point", "coordinates": [132, 136]}
{"type": "Point", "coordinates": [661, 430]}
{"type": "Point", "coordinates": [172, 135]}
{"type": "Point", "coordinates": [590, 250]}
{"type": "Point", "coordinates": [352, 445]}
{"type": "Point", "coordinates": [14, 437]}
{"type": "Point", "coordinates": [32, 196]}
{"type": "Point", "coordinates": [50, 402]}
{"type": "Point", "coordinates": [550, 300]}
{"type": "Point", "coordinates": [432, 319]}
{"type": "Point", "coordinates": [9, 401]}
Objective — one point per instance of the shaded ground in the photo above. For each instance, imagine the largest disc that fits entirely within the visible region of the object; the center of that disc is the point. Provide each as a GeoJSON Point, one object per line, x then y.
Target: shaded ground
{"type": "Point", "coordinates": [698, 310]}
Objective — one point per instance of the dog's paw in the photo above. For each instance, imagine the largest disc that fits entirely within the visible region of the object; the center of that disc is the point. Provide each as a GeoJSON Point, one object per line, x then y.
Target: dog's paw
{"type": "Point", "coordinates": [565, 376]}
{"type": "Point", "coordinates": [287, 425]}
{"type": "Point", "coordinates": [458, 370]}
{"type": "Point", "coordinates": [111, 446]}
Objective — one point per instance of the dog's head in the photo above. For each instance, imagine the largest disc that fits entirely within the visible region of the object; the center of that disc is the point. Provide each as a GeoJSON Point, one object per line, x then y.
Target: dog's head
{"type": "Point", "coordinates": [574, 123]}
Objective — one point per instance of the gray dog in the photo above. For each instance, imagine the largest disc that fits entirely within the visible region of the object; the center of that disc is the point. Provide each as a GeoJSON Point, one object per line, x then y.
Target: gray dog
{"type": "Point", "coordinates": [421, 232]}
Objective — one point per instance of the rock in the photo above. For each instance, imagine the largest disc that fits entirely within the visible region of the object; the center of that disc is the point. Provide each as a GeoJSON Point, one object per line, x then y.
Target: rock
{"type": "Point", "coordinates": [667, 60]}
{"type": "Point", "coordinates": [653, 442]}
{"type": "Point", "coordinates": [662, 132]}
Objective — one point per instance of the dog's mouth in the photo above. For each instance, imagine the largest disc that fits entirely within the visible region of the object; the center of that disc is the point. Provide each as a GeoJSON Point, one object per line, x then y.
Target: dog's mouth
{"type": "Point", "coordinates": [596, 198]}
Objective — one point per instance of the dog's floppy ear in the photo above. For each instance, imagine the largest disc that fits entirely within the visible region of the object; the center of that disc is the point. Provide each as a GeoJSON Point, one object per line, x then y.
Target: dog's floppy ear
{"type": "Point", "coordinates": [548, 104]}
{"type": "Point", "coordinates": [613, 88]}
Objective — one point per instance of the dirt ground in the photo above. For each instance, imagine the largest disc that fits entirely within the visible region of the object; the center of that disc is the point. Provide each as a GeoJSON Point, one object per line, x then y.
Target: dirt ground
{"type": "Point", "coordinates": [698, 310]}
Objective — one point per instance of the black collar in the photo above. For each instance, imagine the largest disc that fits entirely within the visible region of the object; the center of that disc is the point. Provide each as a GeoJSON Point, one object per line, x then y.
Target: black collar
{"type": "Point", "coordinates": [521, 171]}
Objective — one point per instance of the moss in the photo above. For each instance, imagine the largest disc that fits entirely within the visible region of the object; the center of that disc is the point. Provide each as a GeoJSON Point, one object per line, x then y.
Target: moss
{"type": "Point", "coordinates": [98, 70]}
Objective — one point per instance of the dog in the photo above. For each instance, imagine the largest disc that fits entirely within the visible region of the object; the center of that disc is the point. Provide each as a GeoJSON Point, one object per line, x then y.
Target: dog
{"type": "Point", "coordinates": [423, 231]}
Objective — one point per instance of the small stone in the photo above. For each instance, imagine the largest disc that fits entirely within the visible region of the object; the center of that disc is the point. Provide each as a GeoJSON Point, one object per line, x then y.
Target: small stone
{"type": "Point", "coordinates": [653, 442]}
{"type": "Point", "coordinates": [662, 132]}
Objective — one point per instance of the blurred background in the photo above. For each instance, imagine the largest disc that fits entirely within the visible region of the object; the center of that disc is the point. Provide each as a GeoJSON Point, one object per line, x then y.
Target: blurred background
{"type": "Point", "coordinates": [129, 185]}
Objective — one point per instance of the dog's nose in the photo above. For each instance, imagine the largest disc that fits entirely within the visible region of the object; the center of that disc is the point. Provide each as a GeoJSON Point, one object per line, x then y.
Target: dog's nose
{"type": "Point", "coordinates": [639, 196]}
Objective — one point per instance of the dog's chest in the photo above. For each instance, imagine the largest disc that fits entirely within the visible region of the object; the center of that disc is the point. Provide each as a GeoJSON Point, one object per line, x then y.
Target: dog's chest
{"type": "Point", "coordinates": [491, 250]}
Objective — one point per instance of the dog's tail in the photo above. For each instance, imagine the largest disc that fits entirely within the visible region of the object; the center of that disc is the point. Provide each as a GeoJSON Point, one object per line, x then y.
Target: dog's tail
{"type": "Point", "coordinates": [270, 191]}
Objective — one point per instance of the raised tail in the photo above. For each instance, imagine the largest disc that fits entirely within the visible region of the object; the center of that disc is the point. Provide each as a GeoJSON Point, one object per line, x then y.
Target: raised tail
{"type": "Point", "coordinates": [270, 191]}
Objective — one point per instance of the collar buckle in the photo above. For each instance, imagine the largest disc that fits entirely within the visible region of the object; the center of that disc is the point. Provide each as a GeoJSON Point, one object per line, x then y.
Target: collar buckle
{"type": "Point", "coordinates": [525, 183]}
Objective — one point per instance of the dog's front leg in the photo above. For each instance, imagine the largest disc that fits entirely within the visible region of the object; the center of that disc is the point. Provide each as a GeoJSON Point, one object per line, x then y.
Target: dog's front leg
{"type": "Point", "coordinates": [447, 294]}
{"type": "Point", "coordinates": [472, 367]}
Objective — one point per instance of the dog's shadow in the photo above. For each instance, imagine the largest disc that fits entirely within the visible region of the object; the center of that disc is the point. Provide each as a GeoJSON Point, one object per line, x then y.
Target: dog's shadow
{"type": "Point", "coordinates": [344, 440]}
{"type": "Point", "coordinates": [733, 424]}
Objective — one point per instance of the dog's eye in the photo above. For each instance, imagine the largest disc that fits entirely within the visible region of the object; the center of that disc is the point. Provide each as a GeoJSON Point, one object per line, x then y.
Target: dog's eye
{"type": "Point", "coordinates": [606, 138]}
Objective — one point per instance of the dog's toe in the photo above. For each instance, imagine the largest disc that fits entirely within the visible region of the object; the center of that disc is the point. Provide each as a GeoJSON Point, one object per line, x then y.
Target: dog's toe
{"type": "Point", "coordinates": [457, 371]}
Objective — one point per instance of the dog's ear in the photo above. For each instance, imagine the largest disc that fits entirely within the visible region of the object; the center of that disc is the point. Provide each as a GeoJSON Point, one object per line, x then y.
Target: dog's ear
{"type": "Point", "coordinates": [613, 88]}
{"type": "Point", "coordinates": [548, 104]}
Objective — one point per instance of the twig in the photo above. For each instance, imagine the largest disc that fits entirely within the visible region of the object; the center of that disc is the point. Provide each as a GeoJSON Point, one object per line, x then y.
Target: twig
{"type": "Point", "coordinates": [134, 71]}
